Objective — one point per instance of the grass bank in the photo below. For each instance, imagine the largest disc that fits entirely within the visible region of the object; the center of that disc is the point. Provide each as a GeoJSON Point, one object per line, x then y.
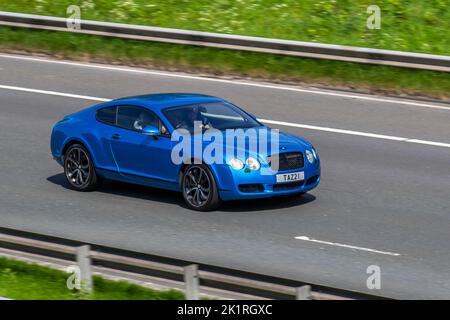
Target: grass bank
{"type": "Point", "coordinates": [380, 79]}
{"type": "Point", "coordinates": [407, 25]}
{"type": "Point", "coordinates": [25, 281]}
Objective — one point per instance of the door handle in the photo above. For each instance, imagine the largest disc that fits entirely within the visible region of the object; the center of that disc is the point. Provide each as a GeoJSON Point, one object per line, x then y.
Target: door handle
{"type": "Point", "coordinates": [115, 136]}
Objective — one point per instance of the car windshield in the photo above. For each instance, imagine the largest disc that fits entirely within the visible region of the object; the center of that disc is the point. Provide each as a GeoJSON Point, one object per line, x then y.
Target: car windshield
{"type": "Point", "coordinates": [214, 115]}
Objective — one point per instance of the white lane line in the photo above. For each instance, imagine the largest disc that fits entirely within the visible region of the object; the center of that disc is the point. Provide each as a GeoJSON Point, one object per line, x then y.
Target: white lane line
{"type": "Point", "coordinates": [234, 82]}
{"type": "Point", "coordinates": [335, 244]}
{"type": "Point", "coordinates": [350, 132]}
{"type": "Point", "coordinates": [430, 143]}
{"type": "Point", "coordinates": [357, 133]}
{"type": "Point", "coordinates": [54, 93]}
{"type": "Point", "coordinates": [281, 123]}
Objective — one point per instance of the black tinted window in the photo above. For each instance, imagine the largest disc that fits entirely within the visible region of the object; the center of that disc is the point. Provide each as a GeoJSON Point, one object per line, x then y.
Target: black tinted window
{"type": "Point", "coordinates": [136, 118]}
{"type": "Point", "coordinates": [107, 115]}
{"type": "Point", "coordinates": [218, 115]}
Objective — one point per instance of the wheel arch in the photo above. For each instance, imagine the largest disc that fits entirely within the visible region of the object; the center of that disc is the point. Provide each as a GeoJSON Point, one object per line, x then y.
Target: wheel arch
{"type": "Point", "coordinates": [71, 141]}
{"type": "Point", "coordinates": [210, 167]}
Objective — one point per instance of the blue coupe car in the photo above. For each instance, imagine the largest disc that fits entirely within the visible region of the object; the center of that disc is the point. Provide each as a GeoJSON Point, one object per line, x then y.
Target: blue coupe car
{"type": "Point", "coordinates": [137, 140]}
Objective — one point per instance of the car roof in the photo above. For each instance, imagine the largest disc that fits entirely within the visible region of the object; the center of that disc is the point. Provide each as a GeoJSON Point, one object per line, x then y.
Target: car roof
{"type": "Point", "coordinates": [164, 100]}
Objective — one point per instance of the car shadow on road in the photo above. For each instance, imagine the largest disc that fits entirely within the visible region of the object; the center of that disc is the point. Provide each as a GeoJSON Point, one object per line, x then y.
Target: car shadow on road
{"type": "Point", "coordinates": [172, 197]}
{"type": "Point", "coordinates": [274, 203]}
{"type": "Point", "coordinates": [127, 190]}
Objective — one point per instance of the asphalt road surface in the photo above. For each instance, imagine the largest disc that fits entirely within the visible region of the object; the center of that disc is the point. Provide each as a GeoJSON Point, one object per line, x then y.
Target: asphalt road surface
{"type": "Point", "coordinates": [384, 198]}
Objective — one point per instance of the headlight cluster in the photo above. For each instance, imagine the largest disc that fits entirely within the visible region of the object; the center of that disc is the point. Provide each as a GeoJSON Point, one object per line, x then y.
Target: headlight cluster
{"type": "Point", "coordinates": [311, 155]}
{"type": "Point", "coordinates": [236, 164]}
{"type": "Point", "coordinates": [314, 153]}
{"type": "Point", "coordinates": [252, 163]}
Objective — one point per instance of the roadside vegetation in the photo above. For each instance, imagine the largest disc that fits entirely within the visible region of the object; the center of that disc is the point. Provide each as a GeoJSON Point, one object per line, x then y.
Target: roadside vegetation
{"type": "Point", "coordinates": [25, 281]}
{"type": "Point", "coordinates": [419, 26]}
{"type": "Point", "coordinates": [216, 62]}
{"type": "Point", "coordinates": [407, 25]}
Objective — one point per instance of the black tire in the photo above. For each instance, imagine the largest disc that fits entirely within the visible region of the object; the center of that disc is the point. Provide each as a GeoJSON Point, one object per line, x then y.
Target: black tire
{"type": "Point", "coordinates": [79, 169]}
{"type": "Point", "coordinates": [199, 188]}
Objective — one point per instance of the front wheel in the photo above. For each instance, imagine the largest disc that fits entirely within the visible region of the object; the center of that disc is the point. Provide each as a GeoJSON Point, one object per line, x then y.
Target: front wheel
{"type": "Point", "coordinates": [199, 188]}
{"type": "Point", "coordinates": [79, 169]}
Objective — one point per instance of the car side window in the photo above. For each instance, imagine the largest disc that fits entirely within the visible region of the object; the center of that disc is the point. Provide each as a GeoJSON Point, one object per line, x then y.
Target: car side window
{"type": "Point", "coordinates": [107, 115]}
{"type": "Point", "coordinates": [136, 118]}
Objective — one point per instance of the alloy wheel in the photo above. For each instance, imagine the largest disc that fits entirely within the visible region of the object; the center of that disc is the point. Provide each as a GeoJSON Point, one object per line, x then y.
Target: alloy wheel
{"type": "Point", "coordinates": [197, 186]}
{"type": "Point", "coordinates": [77, 167]}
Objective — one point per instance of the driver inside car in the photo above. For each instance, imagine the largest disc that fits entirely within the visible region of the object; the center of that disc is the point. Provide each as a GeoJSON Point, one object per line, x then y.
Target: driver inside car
{"type": "Point", "coordinates": [144, 120]}
{"type": "Point", "coordinates": [194, 115]}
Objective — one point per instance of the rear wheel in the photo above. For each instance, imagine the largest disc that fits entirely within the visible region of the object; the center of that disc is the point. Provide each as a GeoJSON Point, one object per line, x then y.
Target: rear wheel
{"type": "Point", "coordinates": [79, 169]}
{"type": "Point", "coordinates": [199, 188]}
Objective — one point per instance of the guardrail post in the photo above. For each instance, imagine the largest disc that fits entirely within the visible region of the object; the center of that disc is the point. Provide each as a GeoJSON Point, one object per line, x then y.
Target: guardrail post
{"type": "Point", "coordinates": [303, 293]}
{"type": "Point", "coordinates": [84, 263]}
{"type": "Point", "coordinates": [191, 281]}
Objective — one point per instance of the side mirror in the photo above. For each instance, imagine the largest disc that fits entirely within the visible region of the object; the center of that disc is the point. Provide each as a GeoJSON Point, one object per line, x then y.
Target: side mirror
{"type": "Point", "coordinates": [151, 131]}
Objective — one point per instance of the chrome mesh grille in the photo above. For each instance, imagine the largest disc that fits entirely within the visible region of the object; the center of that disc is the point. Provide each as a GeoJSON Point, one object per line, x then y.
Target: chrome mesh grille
{"type": "Point", "coordinates": [287, 161]}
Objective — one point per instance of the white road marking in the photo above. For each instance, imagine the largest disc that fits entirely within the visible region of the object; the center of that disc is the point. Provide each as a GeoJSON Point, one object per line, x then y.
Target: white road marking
{"type": "Point", "coordinates": [54, 93]}
{"type": "Point", "coordinates": [350, 132]}
{"type": "Point", "coordinates": [430, 143]}
{"type": "Point", "coordinates": [357, 133]}
{"type": "Point", "coordinates": [281, 123]}
{"type": "Point", "coordinates": [234, 82]}
{"type": "Point", "coordinates": [335, 244]}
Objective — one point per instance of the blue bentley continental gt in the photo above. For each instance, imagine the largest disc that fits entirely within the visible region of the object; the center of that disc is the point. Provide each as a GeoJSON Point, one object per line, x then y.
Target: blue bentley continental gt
{"type": "Point", "coordinates": [140, 140]}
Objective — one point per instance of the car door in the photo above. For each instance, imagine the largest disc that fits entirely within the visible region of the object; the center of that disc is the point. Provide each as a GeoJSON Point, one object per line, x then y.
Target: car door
{"type": "Point", "coordinates": [138, 155]}
{"type": "Point", "coordinates": [106, 118]}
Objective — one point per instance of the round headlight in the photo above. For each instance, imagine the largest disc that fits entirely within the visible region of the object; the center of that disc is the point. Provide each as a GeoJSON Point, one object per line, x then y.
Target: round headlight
{"type": "Point", "coordinates": [236, 163]}
{"type": "Point", "coordinates": [309, 156]}
{"type": "Point", "coordinates": [253, 164]}
{"type": "Point", "coordinates": [314, 153]}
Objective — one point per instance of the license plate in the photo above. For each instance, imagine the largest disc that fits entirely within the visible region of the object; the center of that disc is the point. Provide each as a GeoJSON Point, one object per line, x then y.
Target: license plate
{"type": "Point", "coordinates": [289, 177]}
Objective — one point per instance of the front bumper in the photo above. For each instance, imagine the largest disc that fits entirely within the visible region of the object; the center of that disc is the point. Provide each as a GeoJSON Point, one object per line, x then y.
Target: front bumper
{"type": "Point", "coordinates": [254, 185]}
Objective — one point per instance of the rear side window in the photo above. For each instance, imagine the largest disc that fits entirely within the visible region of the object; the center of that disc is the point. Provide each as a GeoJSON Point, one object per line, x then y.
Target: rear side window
{"type": "Point", "coordinates": [136, 118]}
{"type": "Point", "coordinates": [107, 115]}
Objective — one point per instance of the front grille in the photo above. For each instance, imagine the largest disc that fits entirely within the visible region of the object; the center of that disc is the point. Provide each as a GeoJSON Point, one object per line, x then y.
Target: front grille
{"type": "Point", "coordinates": [287, 161]}
{"type": "Point", "coordinates": [287, 186]}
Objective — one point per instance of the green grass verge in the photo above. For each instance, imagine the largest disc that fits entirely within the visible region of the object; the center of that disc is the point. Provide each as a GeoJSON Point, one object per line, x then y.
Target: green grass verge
{"type": "Point", "coordinates": [408, 25]}
{"type": "Point", "coordinates": [25, 281]}
{"type": "Point", "coordinates": [226, 62]}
